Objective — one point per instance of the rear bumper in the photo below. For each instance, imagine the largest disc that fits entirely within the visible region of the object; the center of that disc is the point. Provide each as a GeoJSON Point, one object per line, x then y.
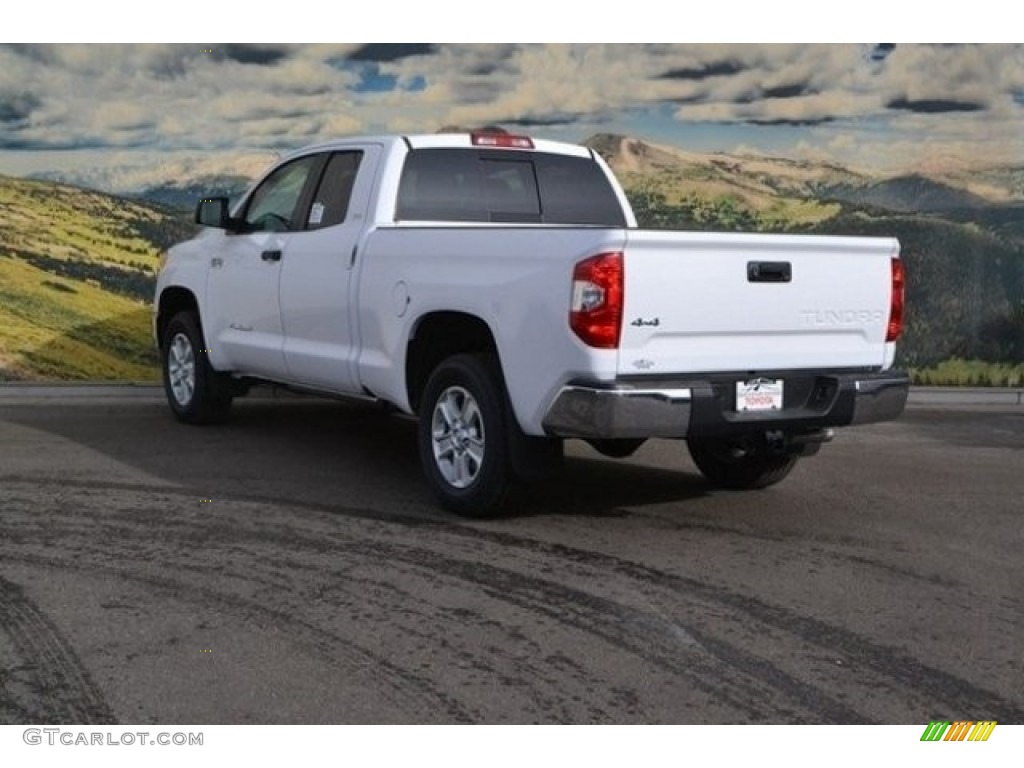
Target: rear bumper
{"type": "Point", "coordinates": [706, 407]}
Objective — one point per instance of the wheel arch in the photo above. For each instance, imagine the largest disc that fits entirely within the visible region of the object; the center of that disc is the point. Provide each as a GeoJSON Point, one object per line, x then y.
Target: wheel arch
{"type": "Point", "coordinates": [174, 299]}
{"type": "Point", "coordinates": [438, 335]}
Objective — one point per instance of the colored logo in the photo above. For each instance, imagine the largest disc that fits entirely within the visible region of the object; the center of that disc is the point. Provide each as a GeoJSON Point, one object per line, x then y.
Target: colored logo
{"type": "Point", "coordinates": [961, 730]}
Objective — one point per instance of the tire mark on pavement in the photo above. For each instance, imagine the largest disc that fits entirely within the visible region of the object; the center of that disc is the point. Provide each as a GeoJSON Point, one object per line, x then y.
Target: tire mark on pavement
{"type": "Point", "coordinates": [328, 645]}
{"type": "Point", "coordinates": [50, 684]}
{"type": "Point", "coordinates": [747, 684]}
{"type": "Point", "coordinates": [959, 694]}
{"type": "Point", "coordinates": [614, 622]}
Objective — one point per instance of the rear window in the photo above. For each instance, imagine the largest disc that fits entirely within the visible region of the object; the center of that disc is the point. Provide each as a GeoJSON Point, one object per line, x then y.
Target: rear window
{"type": "Point", "coordinates": [485, 185]}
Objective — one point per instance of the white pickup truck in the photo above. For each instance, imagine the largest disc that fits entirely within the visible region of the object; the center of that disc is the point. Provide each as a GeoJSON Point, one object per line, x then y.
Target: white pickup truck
{"type": "Point", "coordinates": [497, 287]}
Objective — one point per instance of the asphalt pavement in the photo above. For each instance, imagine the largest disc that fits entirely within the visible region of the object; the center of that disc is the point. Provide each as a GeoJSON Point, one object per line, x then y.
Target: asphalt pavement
{"type": "Point", "coordinates": [290, 566]}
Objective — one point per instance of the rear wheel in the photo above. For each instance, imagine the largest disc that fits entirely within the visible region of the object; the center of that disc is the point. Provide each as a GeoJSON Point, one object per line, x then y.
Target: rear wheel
{"type": "Point", "coordinates": [739, 464]}
{"type": "Point", "coordinates": [462, 435]}
{"type": "Point", "coordinates": [196, 392]}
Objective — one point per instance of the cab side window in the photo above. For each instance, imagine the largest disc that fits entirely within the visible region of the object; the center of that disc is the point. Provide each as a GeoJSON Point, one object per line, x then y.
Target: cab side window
{"type": "Point", "coordinates": [441, 185]}
{"type": "Point", "coordinates": [272, 207]}
{"type": "Point", "coordinates": [331, 199]}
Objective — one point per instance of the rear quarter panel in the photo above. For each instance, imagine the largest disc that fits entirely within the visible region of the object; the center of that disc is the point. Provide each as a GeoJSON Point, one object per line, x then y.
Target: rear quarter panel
{"type": "Point", "coordinates": [515, 279]}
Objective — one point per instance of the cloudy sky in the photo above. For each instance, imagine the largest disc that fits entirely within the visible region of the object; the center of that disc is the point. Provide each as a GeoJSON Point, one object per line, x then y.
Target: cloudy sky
{"type": "Point", "coordinates": [885, 107]}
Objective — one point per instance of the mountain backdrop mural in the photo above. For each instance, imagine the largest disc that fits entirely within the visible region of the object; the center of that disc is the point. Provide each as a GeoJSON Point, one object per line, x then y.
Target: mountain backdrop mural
{"type": "Point", "coordinates": [104, 150]}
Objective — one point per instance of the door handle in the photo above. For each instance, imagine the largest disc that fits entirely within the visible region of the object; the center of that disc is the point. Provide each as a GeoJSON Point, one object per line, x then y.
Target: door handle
{"type": "Point", "coordinates": [274, 255]}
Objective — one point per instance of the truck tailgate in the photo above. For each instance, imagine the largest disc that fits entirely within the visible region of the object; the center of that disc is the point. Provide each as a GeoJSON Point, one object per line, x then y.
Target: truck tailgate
{"type": "Point", "coordinates": [703, 302]}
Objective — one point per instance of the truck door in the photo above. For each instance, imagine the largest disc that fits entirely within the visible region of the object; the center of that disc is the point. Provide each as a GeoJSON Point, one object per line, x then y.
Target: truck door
{"type": "Point", "coordinates": [243, 315]}
{"type": "Point", "coordinates": [318, 292]}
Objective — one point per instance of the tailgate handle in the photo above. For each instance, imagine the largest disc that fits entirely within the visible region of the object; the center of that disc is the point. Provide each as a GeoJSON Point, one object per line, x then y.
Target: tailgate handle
{"type": "Point", "coordinates": [769, 271]}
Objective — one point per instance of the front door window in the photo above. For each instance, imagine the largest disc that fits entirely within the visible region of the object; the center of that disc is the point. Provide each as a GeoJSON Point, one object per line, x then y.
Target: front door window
{"type": "Point", "coordinates": [273, 206]}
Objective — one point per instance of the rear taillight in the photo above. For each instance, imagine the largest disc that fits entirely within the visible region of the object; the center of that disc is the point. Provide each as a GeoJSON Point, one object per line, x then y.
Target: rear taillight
{"type": "Point", "coordinates": [896, 302]}
{"type": "Point", "coordinates": [595, 314]}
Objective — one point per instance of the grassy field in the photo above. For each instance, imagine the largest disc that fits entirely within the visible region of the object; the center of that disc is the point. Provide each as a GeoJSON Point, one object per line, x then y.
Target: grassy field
{"type": "Point", "coordinates": [54, 328]}
{"type": "Point", "coordinates": [71, 223]}
{"type": "Point", "coordinates": [969, 373]}
{"type": "Point", "coordinates": [77, 269]}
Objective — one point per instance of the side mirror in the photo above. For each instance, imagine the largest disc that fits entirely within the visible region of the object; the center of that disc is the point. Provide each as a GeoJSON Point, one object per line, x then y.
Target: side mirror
{"type": "Point", "coordinates": [213, 212]}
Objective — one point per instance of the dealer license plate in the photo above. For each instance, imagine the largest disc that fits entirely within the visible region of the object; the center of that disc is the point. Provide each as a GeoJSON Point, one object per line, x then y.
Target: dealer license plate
{"type": "Point", "coordinates": [759, 395]}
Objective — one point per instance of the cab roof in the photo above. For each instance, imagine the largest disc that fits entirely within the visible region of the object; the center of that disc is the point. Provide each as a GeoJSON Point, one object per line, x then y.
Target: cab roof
{"type": "Point", "coordinates": [450, 140]}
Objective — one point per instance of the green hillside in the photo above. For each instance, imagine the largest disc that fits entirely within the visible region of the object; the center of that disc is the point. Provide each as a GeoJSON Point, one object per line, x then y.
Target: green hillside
{"type": "Point", "coordinates": [751, 192]}
{"type": "Point", "coordinates": [77, 269]}
{"type": "Point", "coordinates": [965, 285]}
{"type": "Point", "coordinates": [964, 253]}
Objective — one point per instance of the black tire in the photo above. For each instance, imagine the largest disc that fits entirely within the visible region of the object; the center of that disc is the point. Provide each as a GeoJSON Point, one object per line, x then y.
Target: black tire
{"type": "Point", "coordinates": [462, 435]}
{"type": "Point", "coordinates": [208, 399]}
{"type": "Point", "coordinates": [739, 466]}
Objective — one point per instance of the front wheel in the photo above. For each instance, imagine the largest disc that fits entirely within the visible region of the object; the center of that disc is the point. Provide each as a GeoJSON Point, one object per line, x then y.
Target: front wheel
{"type": "Point", "coordinates": [739, 464]}
{"type": "Point", "coordinates": [462, 435]}
{"type": "Point", "coordinates": [196, 392]}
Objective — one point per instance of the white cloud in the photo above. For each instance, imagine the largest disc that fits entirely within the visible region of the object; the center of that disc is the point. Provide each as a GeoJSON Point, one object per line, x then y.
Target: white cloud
{"type": "Point", "coordinates": [962, 101]}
